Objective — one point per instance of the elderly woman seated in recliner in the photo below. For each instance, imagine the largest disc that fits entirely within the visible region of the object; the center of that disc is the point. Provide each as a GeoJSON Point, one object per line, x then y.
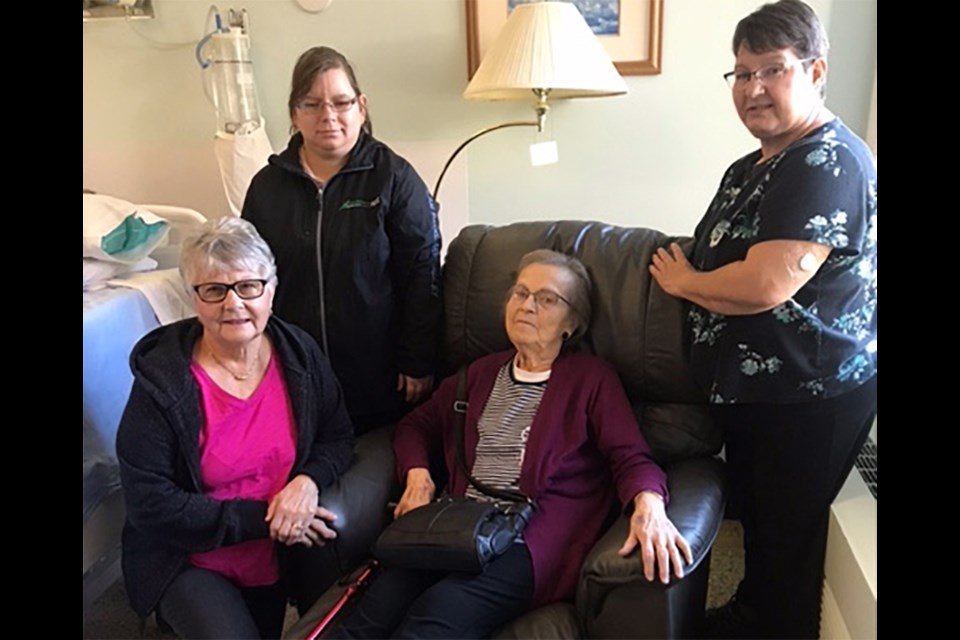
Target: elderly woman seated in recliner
{"type": "Point", "coordinates": [550, 422]}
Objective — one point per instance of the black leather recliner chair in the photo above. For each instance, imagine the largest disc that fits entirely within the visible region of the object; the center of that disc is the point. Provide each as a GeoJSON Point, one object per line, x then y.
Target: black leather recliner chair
{"type": "Point", "coordinates": [637, 328]}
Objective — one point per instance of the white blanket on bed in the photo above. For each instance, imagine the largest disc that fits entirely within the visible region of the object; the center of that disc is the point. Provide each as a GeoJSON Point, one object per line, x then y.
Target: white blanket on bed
{"type": "Point", "coordinates": [164, 291]}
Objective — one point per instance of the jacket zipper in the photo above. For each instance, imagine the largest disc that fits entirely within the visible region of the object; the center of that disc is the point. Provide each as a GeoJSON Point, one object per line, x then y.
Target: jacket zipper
{"type": "Point", "coordinates": [323, 306]}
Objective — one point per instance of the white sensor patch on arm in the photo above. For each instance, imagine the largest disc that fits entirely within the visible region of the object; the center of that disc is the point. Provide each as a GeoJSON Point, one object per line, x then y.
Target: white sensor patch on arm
{"type": "Point", "coordinates": [808, 262]}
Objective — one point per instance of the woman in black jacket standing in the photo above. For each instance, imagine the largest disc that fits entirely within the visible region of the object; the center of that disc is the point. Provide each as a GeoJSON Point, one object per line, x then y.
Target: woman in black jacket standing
{"type": "Point", "coordinates": [355, 234]}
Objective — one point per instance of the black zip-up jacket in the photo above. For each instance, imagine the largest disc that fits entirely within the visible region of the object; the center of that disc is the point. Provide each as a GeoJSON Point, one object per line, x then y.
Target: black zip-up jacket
{"type": "Point", "coordinates": [158, 446]}
{"type": "Point", "coordinates": [358, 263]}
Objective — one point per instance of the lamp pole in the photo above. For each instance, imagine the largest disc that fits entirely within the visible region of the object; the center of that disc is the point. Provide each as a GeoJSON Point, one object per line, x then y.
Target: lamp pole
{"type": "Point", "coordinates": [542, 107]}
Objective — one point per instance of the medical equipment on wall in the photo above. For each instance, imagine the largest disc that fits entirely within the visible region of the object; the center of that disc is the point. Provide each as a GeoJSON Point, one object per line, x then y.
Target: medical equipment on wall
{"type": "Point", "coordinates": [241, 143]}
{"type": "Point", "coordinates": [117, 9]}
{"type": "Point", "coordinates": [224, 56]}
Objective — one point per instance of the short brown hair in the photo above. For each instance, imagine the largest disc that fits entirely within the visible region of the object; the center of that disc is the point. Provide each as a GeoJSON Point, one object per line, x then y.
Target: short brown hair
{"type": "Point", "coordinates": [312, 63]}
{"type": "Point", "coordinates": [787, 24]}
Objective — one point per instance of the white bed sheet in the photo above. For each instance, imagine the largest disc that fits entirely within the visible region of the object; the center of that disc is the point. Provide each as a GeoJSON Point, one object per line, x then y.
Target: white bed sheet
{"type": "Point", "coordinates": [164, 291]}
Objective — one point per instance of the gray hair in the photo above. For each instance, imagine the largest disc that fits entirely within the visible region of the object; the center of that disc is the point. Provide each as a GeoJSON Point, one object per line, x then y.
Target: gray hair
{"type": "Point", "coordinates": [580, 297]}
{"type": "Point", "coordinates": [227, 244]}
{"type": "Point", "coordinates": [787, 24]}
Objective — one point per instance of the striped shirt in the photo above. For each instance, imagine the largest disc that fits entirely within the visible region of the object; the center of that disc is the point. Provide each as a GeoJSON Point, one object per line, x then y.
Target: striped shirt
{"type": "Point", "coordinates": [504, 427]}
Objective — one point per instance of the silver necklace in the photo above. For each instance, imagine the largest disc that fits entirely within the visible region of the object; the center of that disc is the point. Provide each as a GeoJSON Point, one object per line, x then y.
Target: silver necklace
{"type": "Point", "coordinates": [239, 377]}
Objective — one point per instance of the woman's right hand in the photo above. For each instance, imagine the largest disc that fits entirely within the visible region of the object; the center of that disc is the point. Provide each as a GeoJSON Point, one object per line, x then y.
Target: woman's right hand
{"type": "Point", "coordinates": [414, 390]}
{"type": "Point", "coordinates": [419, 491]}
{"type": "Point", "coordinates": [290, 512]}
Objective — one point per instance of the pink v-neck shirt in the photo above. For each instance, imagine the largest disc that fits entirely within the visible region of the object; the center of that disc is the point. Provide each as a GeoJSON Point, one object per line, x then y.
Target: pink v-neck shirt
{"type": "Point", "coordinates": [247, 449]}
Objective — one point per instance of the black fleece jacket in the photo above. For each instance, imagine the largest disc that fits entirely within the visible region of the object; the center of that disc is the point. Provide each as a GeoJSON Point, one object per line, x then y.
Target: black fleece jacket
{"type": "Point", "coordinates": [168, 515]}
{"type": "Point", "coordinates": [358, 263]}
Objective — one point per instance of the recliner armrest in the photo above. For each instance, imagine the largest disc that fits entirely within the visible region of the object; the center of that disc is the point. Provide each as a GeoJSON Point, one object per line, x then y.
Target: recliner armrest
{"type": "Point", "coordinates": [360, 497]}
{"type": "Point", "coordinates": [359, 500]}
{"type": "Point", "coordinates": [697, 501]}
{"type": "Point", "coordinates": [696, 508]}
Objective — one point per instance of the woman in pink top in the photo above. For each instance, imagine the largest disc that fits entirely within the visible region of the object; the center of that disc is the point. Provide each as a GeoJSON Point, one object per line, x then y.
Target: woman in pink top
{"type": "Point", "coordinates": [234, 425]}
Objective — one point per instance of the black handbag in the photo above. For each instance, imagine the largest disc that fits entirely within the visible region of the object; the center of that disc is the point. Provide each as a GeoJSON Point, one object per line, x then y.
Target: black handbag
{"type": "Point", "coordinates": [456, 534]}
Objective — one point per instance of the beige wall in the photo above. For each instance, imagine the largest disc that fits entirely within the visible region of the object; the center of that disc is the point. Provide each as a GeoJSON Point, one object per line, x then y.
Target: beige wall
{"type": "Point", "coordinates": [651, 158]}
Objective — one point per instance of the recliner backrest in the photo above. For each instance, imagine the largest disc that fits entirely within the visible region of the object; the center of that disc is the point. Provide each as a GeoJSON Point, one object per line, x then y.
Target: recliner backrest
{"type": "Point", "coordinates": [636, 327]}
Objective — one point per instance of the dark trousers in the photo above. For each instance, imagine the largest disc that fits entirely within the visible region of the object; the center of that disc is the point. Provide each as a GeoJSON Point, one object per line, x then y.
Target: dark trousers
{"type": "Point", "coordinates": [203, 604]}
{"type": "Point", "coordinates": [425, 604]}
{"type": "Point", "coordinates": [786, 464]}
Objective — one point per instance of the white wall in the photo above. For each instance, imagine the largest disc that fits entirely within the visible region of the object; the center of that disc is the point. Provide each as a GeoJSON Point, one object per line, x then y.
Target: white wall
{"type": "Point", "coordinates": [650, 158]}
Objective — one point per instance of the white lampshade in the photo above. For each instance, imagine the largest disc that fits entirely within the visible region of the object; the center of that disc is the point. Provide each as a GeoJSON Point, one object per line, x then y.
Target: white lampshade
{"type": "Point", "coordinates": [546, 46]}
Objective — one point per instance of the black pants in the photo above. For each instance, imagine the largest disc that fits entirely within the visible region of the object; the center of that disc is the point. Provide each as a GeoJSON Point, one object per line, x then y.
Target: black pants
{"type": "Point", "coordinates": [204, 604]}
{"type": "Point", "coordinates": [786, 465]}
{"type": "Point", "coordinates": [425, 604]}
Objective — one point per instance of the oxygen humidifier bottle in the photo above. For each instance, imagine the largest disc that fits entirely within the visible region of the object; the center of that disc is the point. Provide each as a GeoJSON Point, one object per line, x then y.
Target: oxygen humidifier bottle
{"type": "Point", "coordinates": [234, 90]}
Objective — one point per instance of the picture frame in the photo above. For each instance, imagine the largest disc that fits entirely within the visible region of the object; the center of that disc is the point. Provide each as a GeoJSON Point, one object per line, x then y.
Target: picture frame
{"type": "Point", "coordinates": [635, 50]}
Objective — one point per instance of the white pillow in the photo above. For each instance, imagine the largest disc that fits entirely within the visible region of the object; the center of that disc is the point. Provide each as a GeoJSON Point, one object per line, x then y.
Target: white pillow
{"type": "Point", "coordinates": [115, 230]}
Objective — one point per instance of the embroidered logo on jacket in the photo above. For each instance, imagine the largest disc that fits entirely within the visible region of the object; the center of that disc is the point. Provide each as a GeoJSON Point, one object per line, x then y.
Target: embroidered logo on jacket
{"type": "Point", "coordinates": [360, 204]}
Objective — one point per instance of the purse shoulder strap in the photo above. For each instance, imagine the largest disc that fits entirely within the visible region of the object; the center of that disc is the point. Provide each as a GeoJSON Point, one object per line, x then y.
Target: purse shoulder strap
{"type": "Point", "coordinates": [460, 406]}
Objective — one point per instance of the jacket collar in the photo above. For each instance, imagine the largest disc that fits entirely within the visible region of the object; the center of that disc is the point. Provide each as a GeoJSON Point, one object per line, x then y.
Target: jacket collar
{"type": "Point", "coordinates": [361, 156]}
{"type": "Point", "coordinates": [161, 361]}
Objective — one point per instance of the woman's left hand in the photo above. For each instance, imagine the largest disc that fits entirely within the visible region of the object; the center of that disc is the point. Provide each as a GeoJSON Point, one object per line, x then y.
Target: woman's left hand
{"type": "Point", "coordinates": [319, 530]}
{"type": "Point", "coordinates": [414, 389]}
{"type": "Point", "coordinates": [291, 512]}
{"type": "Point", "coordinates": [660, 543]}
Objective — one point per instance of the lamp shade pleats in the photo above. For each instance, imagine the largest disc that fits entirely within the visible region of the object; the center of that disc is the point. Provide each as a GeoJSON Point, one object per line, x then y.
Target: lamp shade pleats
{"type": "Point", "coordinates": [547, 46]}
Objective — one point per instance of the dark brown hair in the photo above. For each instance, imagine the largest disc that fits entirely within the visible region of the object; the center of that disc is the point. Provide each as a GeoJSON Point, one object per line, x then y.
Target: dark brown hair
{"type": "Point", "coordinates": [312, 63]}
{"type": "Point", "coordinates": [788, 24]}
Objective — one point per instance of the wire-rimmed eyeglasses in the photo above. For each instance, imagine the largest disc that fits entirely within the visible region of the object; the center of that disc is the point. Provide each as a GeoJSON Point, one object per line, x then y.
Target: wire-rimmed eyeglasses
{"type": "Point", "coordinates": [544, 298]}
{"type": "Point", "coordinates": [766, 75]}
{"type": "Point", "coordinates": [340, 105]}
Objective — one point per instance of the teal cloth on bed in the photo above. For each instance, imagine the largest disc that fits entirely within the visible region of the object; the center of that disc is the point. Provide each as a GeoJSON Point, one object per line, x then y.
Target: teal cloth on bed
{"type": "Point", "coordinates": [133, 238]}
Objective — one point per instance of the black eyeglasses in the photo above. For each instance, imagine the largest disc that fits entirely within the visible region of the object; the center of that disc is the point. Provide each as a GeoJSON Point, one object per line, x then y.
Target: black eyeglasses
{"type": "Point", "coordinates": [544, 299]}
{"type": "Point", "coordinates": [217, 291]}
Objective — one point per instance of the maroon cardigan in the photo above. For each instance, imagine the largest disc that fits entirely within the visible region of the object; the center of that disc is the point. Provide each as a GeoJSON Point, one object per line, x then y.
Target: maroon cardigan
{"type": "Point", "coordinates": [584, 439]}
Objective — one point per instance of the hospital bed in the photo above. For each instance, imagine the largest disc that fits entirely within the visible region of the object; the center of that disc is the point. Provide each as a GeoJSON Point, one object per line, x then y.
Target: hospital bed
{"type": "Point", "coordinates": [117, 312]}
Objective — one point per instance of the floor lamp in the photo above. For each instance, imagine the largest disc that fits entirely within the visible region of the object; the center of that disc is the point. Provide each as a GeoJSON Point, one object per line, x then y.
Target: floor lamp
{"type": "Point", "coordinates": [545, 51]}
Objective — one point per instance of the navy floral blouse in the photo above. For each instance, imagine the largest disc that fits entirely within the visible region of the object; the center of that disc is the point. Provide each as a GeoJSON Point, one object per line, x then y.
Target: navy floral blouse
{"type": "Point", "coordinates": [823, 341]}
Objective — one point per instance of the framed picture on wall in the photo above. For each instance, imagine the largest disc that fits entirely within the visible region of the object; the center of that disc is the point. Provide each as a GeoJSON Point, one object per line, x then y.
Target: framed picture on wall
{"type": "Point", "coordinates": [630, 30]}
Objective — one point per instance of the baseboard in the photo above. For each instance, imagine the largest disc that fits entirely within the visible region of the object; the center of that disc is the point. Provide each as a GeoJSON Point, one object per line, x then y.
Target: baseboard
{"type": "Point", "coordinates": [832, 626]}
{"type": "Point", "coordinates": [850, 590]}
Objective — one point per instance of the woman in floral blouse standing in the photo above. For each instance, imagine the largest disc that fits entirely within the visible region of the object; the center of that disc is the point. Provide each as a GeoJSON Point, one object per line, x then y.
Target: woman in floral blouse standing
{"type": "Point", "coordinates": [783, 325]}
